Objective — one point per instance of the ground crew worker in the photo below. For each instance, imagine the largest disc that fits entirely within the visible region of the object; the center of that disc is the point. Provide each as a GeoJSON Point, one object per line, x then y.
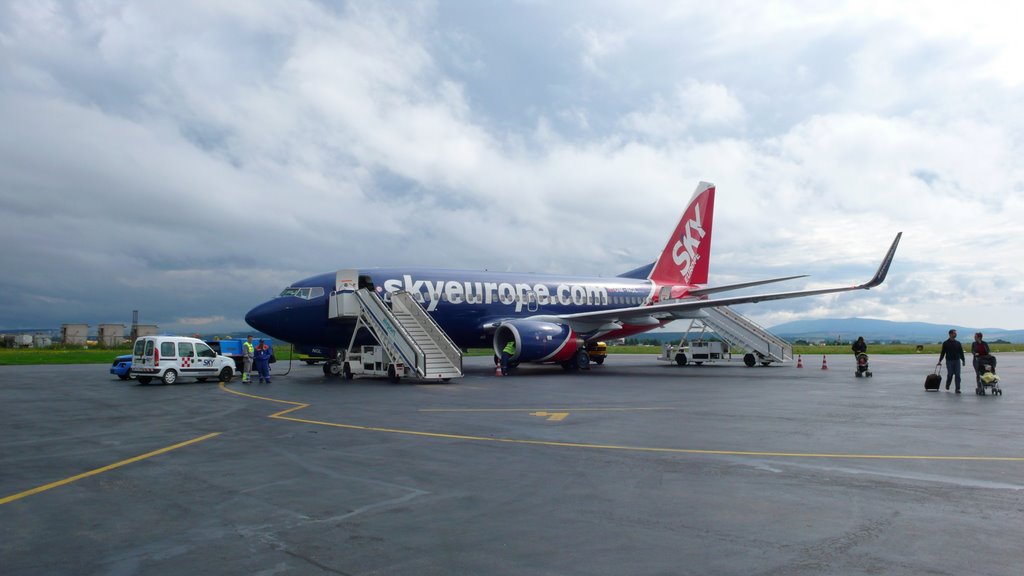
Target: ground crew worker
{"type": "Point", "coordinates": [263, 361]}
{"type": "Point", "coordinates": [953, 352]}
{"type": "Point", "coordinates": [247, 353]}
{"type": "Point", "coordinates": [506, 354]}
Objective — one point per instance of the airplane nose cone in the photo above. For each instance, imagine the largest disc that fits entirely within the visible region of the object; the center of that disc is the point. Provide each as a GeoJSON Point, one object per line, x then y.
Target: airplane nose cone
{"type": "Point", "coordinates": [263, 318]}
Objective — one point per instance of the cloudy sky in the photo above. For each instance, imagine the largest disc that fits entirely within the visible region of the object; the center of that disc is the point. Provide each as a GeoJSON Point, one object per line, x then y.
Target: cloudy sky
{"type": "Point", "coordinates": [189, 159]}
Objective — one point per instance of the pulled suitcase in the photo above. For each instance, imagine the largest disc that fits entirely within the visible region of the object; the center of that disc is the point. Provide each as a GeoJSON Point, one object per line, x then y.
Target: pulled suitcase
{"type": "Point", "coordinates": [933, 380]}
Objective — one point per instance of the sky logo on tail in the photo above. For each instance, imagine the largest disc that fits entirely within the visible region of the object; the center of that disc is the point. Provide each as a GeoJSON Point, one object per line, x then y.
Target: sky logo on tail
{"type": "Point", "coordinates": [684, 261]}
{"type": "Point", "coordinates": [684, 253]}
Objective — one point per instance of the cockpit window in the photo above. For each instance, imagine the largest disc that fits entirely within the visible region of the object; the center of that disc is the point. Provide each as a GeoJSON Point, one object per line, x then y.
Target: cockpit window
{"type": "Point", "coordinates": [304, 293]}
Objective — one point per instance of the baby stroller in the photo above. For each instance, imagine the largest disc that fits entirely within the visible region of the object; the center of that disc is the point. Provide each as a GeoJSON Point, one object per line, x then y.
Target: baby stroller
{"type": "Point", "coordinates": [987, 376]}
{"type": "Point", "coordinates": [862, 365]}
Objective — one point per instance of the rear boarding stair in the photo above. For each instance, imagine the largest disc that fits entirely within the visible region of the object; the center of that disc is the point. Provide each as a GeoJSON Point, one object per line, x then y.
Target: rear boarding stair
{"type": "Point", "coordinates": [760, 346]}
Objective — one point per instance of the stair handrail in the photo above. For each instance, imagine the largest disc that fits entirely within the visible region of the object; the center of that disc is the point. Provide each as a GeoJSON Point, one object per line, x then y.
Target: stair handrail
{"type": "Point", "coordinates": [408, 304]}
{"type": "Point", "coordinates": [734, 325]}
{"type": "Point", "coordinates": [374, 309]}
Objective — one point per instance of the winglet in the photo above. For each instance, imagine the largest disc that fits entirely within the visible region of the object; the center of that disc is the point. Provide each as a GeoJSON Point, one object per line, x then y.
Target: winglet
{"type": "Point", "coordinates": [884, 268]}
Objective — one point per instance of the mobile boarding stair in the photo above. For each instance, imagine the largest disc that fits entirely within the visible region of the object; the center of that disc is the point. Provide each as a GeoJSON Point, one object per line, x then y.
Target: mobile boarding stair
{"type": "Point", "coordinates": [410, 341]}
{"type": "Point", "coordinates": [760, 345]}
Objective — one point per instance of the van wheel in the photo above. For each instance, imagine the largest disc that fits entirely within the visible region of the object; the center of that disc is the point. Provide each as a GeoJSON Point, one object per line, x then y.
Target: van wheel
{"type": "Point", "coordinates": [226, 374]}
{"type": "Point", "coordinates": [170, 377]}
{"type": "Point", "coordinates": [144, 379]}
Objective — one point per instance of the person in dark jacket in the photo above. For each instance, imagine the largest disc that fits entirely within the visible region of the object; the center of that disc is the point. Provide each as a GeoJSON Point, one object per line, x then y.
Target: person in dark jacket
{"type": "Point", "coordinates": [953, 352]}
{"type": "Point", "coordinates": [860, 346]}
{"type": "Point", "coordinates": [262, 357]}
{"type": "Point", "coordinates": [982, 354]}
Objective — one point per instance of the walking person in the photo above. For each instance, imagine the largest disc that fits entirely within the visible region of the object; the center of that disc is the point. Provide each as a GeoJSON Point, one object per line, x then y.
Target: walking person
{"type": "Point", "coordinates": [953, 352]}
{"type": "Point", "coordinates": [981, 354]}
{"type": "Point", "coordinates": [859, 347]}
{"type": "Point", "coordinates": [247, 354]}
{"type": "Point", "coordinates": [262, 356]}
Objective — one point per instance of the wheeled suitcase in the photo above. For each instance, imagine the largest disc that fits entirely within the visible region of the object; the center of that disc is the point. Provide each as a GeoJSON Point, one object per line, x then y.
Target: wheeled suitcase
{"type": "Point", "coordinates": [932, 381]}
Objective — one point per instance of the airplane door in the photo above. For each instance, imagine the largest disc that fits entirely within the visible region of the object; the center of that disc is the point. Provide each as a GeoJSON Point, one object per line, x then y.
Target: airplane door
{"type": "Point", "coordinates": [343, 300]}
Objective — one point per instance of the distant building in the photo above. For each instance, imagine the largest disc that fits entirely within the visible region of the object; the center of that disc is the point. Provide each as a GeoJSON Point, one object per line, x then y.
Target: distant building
{"type": "Point", "coordinates": [140, 330]}
{"type": "Point", "coordinates": [74, 334]}
{"type": "Point", "coordinates": [110, 335]}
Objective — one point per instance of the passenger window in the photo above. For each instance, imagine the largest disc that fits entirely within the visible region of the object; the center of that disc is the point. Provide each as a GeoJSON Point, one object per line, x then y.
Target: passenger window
{"type": "Point", "coordinates": [204, 351]}
{"type": "Point", "coordinates": [140, 345]}
{"type": "Point", "coordinates": [167, 349]}
{"type": "Point", "coordinates": [185, 350]}
{"type": "Point", "coordinates": [149, 348]}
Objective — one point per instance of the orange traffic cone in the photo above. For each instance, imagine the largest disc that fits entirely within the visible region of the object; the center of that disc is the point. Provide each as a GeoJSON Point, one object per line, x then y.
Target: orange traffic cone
{"type": "Point", "coordinates": [799, 361]}
{"type": "Point", "coordinates": [497, 370]}
{"type": "Point", "coordinates": [824, 363]}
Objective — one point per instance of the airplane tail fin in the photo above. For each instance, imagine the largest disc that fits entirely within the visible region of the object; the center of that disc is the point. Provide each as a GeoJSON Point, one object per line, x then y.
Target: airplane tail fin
{"type": "Point", "coordinates": [687, 254]}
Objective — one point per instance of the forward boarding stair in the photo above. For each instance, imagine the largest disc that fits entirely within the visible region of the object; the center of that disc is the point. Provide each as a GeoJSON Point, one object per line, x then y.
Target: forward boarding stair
{"type": "Point", "coordinates": [740, 332]}
{"type": "Point", "coordinates": [407, 333]}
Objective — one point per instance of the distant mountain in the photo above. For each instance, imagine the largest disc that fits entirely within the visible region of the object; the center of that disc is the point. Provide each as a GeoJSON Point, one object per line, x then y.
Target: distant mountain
{"type": "Point", "coordinates": [849, 329]}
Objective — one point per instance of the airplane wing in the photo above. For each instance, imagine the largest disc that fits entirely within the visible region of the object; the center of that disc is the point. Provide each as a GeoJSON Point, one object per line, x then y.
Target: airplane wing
{"type": "Point", "coordinates": [727, 287]}
{"type": "Point", "coordinates": [656, 312]}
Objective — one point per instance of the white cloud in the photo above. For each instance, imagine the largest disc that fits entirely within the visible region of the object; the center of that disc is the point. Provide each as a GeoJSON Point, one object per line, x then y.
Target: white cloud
{"type": "Point", "coordinates": [201, 156]}
{"type": "Point", "coordinates": [693, 105]}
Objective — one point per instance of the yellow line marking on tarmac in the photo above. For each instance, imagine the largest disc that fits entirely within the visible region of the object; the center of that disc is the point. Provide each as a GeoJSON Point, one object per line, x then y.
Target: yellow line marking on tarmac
{"type": "Point", "coordinates": [551, 416]}
{"type": "Point", "coordinates": [536, 409]}
{"type": "Point", "coordinates": [299, 405]}
{"type": "Point", "coordinates": [108, 468]}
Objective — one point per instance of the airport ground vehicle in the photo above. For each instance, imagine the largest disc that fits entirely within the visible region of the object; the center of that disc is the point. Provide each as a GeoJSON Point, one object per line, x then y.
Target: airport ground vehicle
{"type": "Point", "coordinates": [371, 361]}
{"type": "Point", "coordinates": [232, 348]}
{"type": "Point", "coordinates": [698, 352]}
{"type": "Point", "coordinates": [597, 351]}
{"type": "Point", "coordinates": [169, 358]}
{"type": "Point", "coordinates": [122, 367]}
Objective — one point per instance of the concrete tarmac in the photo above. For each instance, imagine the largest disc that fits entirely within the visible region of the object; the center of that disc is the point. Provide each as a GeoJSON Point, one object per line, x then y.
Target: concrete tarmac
{"type": "Point", "coordinates": [634, 467]}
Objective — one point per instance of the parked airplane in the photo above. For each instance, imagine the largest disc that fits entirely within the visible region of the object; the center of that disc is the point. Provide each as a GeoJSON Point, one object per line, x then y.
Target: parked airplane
{"type": "Point", "coordinates": [551, 318]}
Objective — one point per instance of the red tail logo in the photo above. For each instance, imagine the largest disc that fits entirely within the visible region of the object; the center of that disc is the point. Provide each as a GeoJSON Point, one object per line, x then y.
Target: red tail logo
{"type": "Point", "coordinates": [685, 257]}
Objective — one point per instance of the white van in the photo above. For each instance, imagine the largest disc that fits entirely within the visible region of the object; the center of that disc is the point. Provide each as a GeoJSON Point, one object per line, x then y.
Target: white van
{"type": "Point", "coordinates": [172, 357]}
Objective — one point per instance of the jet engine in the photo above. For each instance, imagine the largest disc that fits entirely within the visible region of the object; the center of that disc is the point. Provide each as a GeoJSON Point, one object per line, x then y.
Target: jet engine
{"type": "Point", "coordinates": [537, 341]}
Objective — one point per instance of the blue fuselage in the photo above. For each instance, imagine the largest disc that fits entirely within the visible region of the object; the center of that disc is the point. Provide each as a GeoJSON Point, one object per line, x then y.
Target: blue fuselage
{"type": "Point", "coordinates": [466, 304]}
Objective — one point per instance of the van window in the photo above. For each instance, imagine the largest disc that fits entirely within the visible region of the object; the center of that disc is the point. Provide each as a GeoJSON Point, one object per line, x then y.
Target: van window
{"type": "Point", "coordinates": [205, 351]}
{"type": "Point", "coordinates": [185, 350]}
{"type": "Point", "coordinates": [140, 345]}
{"type": "Point", "coordinates": [167, 349]}
{"type": "Point", "coordinates": [149, 348]}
